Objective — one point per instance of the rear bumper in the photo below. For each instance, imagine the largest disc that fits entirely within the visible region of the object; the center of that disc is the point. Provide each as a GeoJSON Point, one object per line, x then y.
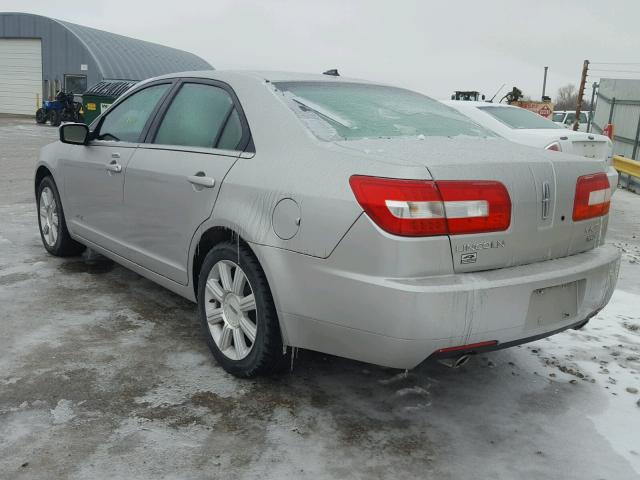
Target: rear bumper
{"type": "Point", "coordinates": [401, 322]}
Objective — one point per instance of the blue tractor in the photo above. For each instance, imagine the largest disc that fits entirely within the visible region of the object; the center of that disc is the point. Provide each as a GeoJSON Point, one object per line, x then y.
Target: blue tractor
{"type": "Point", "coordinates": [62, 109]}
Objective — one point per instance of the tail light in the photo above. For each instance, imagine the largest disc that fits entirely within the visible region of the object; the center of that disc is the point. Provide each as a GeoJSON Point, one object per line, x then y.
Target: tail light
{"type": "Point", "coordinates": [593, 197]}
{"type": "Point", "coordinates": [555, 146]}
{"type": "Point", "coordinates": [419, 208]}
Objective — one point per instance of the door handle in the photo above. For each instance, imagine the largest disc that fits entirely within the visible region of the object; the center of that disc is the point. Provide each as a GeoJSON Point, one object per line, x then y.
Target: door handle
{"type": "Point", "coordinates": [200, 179]}
{"type": "Point", "coordinates": [114, 167]}
{"type": "Point", "coordinates": [115, 155]}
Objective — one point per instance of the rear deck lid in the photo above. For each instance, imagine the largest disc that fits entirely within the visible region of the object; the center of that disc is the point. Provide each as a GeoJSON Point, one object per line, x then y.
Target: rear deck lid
{"type": "Point", "coordinates": [541, 185]}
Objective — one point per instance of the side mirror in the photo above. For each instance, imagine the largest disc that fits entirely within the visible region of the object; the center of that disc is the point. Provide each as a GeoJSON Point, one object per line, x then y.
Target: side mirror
{"type": "Point", "coordinates": [74, 133]}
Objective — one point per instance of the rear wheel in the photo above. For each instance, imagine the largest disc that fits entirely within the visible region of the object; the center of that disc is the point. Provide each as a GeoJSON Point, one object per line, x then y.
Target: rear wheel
{"type": "Point", "coordinates": [54, 118]}
{"type": "Point", "coordinates": [237, 312]}
{"type": "Point", "coordinates": [53, 228]}
{"type": "Point", "coordinates": [41, 117]}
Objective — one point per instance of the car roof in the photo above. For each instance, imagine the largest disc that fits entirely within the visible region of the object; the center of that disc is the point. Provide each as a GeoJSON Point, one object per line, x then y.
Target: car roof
{"type": "Point", "coordinates": [263, 75]}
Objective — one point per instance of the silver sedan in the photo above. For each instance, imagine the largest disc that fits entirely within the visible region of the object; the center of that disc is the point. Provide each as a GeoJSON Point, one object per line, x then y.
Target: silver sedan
{"type": "Point", "coordinates": [342, 216]}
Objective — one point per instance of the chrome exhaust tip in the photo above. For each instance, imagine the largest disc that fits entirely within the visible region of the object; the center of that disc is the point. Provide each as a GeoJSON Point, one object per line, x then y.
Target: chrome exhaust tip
{"type": "Point", "coordinates": [455, 362]}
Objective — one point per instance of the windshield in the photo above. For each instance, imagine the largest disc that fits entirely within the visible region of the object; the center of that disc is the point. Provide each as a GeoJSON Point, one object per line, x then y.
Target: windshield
{"type": "Point", "coordinates": [558, 117]}
{"type": "Point", "coordinates": [519, 118]}
{"type": "Point", "coordinates": [348, 111]}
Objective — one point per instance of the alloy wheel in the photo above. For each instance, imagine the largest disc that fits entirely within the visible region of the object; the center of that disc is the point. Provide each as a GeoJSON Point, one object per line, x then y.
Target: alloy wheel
{"type": "Point", "coordinates": [231, 310]}
{"type": "Point", "coordinates": [49, 220]}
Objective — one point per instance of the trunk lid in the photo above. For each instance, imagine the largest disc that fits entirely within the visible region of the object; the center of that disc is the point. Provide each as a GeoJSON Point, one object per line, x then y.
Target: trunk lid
{"type": "Point", "coordinates": [587, 145]}
{"type": "Point", "coordinates": [537, 232]}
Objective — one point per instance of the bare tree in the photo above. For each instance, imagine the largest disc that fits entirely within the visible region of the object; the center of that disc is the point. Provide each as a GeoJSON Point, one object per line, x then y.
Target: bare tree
{"type": "Point", "coordinates": [567, 98]}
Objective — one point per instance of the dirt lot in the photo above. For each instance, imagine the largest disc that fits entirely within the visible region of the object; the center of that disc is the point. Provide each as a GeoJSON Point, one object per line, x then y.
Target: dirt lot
{"type": "Point", "coordinates": [106, 375]}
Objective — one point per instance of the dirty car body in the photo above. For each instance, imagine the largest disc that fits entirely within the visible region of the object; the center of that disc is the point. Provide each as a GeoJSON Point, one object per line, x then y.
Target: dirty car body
{"type": "Point", "coordinates": [389, 227]}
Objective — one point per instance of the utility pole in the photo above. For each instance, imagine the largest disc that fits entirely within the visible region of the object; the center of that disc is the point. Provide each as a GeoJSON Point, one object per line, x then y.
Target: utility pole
{"type": "Point", "coordinates": [544, 83]}
{"type": "Point", "coordinates": [583, 81]}
{"type": "Point", "coordinates": [591, 107]}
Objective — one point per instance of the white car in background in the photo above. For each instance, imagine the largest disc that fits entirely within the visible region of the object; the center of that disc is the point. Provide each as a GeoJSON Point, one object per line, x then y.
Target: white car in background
{"type": "Point", "coordinates": [528, 128]}
{"type": "Point", "coordinates": [566, 118]}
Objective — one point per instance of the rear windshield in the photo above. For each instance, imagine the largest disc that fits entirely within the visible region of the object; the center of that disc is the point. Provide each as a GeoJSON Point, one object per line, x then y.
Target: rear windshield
{"type": "Point", "coordinates": [519, 118]}
{"type": "Point", "coordinates": [348, 111]}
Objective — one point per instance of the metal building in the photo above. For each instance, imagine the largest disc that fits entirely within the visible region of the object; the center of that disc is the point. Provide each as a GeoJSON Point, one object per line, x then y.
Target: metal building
{"type": "Point", "coordinates": [41, 55]}
{"type": "Point", "coordinates": [618, 103]}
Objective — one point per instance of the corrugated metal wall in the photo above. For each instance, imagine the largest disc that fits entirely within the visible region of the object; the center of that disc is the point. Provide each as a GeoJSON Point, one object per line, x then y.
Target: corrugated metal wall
{"type": "Point", "coordinates": [69, 49]}
{"type": "Point", "coordinates": [62, 53]}
{"type": "Point", "coordinates": [626, 113]}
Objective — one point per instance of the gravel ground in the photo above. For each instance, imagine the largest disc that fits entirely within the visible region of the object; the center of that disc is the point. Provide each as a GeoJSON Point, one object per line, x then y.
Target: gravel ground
{"type": "Point", "coordinates": [105, 375]}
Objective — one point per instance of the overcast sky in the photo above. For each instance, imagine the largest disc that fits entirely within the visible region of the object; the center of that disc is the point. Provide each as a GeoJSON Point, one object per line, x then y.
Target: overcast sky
{"type": "Point", "coordinates": [432, 47]}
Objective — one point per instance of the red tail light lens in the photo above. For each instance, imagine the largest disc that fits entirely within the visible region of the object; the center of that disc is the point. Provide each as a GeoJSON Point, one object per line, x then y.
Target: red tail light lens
{"type": "Point", "coordinates": [475, 206]}
{"type": "Point", "coordinates": [418, 208]}
{"type": "Point", "coordinates": [593, 197]}
{"type": "Point", "coordinates": [411, 208]}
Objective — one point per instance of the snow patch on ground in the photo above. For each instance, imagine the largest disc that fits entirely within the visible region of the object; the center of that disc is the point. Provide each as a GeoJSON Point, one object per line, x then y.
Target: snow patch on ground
{"type": "Point", "coordinates": [606, 354]}
{"type": "Point", "coordinates": [63, 412]}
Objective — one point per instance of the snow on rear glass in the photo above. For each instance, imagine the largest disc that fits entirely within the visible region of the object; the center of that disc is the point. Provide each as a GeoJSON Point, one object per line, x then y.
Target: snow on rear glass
{"type": "Point", "coordinates": [349, 111]}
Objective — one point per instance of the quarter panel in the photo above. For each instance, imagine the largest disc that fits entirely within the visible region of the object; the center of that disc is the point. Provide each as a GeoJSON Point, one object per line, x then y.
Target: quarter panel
{"type": "Point", "coordinates": [316, 178]}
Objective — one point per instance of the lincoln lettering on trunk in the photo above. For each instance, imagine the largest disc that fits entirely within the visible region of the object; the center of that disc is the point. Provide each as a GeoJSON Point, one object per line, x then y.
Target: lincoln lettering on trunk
{"type": "Point", "coordinates": [474, 247]}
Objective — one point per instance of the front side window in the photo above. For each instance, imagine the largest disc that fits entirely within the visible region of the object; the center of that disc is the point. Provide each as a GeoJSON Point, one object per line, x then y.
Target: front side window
{"type": "Point", "coordinates": [557, 117]}
{"type": "Point", "coordinates": [126, 121]}
{"type": "Point", "coordinates": [350, 111]}
{"type": "Point", "coordinates": [518, 118]}
{"type": "Point", "coordinates": [196, 117]}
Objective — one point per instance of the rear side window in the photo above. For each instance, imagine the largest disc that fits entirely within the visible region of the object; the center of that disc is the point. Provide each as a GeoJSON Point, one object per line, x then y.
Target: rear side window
{"type": "Point", "coordinates": [349, 111]}
{"type": "Point", "coordinates": [196, 117]}
{"type": "Point", "coordinates": [232, 132]}
{"type": "Point", "coordinates": [519, 118]}
{"type": "Point", "coordinates": [126, 121]}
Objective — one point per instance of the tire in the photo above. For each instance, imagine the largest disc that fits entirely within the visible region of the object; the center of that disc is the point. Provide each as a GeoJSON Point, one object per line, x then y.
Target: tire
{"type": "Point", "coordinates": [65, 116]}
{"type": "Point", "coordinates": [53, 227]}
{"type": "Point", "coordinates": [227, 300]}
{"type": "Point", "coordinates": [41, 117]}
{"type": "Point", "coordinates": [54, 118]}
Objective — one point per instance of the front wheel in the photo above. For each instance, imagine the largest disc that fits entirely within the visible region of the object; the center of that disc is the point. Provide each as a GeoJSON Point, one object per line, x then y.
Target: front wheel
{"type": "Point", "coordinates": [54, 118]}
{"type": "Point", "coordinates": [53, 228]}
{"type": "Point", "coordinates": [237, 312]}
{"type": "Point", "coordinates": [41, 116]}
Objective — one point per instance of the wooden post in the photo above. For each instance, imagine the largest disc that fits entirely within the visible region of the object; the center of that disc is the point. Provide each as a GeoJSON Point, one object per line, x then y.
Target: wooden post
{"type": "Point", "coordinates": [583, 81]}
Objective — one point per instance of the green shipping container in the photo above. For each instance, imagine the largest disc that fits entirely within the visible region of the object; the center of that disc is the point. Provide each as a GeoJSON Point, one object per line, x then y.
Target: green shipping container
{"type": "Point", "coordinates": [99, 97]}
